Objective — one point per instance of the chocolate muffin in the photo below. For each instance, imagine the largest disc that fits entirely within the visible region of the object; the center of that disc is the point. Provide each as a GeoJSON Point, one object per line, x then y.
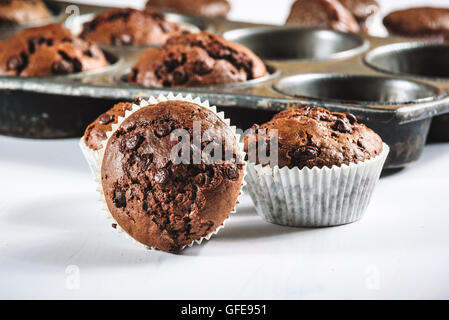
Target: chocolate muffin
{"type": "Point", "coordinates": [362, 10]}
{"type": "Point", "coordinates": [322, 14]}
{"type": "Point", "coordinates": [157, 201]}
{"type": "Point", "coordinates": [423, 22]}
{"type": "Point", "coordinates": [196, 59]}
{"type": "Point", "coordinates": [205, 8]}
{"type": "Point", "coordinates": [95, 133]}
{"type": "Point", "coordinates": [48, 50]}
{"type": "Point", "coordinates": [19, 12]}
{"type": "Point", "coordinates": [125, 27]}
{"type": "Point", "coordinates": [314, 137]}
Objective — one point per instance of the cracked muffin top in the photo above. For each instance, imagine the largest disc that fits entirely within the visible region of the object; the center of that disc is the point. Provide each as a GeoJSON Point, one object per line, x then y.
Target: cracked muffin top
{"type": "Point", "coordinates": [19, 12]}
{"type": "Point", "coordinates": [196, 59]}
{"type": "Point", "coordinates": [314, 137]}
{"type": "Point", "coordinates": [422, 22]}
{"type": "Point", "coordinates": [48, 50]}
{"type": "Point", "coordinates": [362, 10]}
{"type": "Point", "coordinates": [206, 8]}
{"type": "Point", "coordinates": [322, 14]}
{"type": "Point", "coordinates": [158, 201]}
{"type": "Point", "coordinates": [125, 27]}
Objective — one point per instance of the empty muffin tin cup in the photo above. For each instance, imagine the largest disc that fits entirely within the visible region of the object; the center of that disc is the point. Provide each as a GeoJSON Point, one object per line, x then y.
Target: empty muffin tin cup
{"type": "Point", "coordinates": [423, 60]}
{"type": "Point", "coordinates": [335, 91]}
{"type": "Point", "coordinates": [293, 43]}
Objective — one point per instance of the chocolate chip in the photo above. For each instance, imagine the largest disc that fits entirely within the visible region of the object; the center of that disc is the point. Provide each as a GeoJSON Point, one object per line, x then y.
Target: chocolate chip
{"type": "Point", "coordinates": [145, 161]}
{"type": "Point", "coordinates": [133, 75]}
{"type": "Point", "coordinates": [105, 118]}
{"type": "Point", "coordinates": [121, 39]}
{"type": "Point", "coordinates": [231, 172]}
{"type": "Point", "coordinates": [200, 68]}
{"type": "Point", "coordinates": [352, 118]}
{"type": "Point", "coordinates": [138, 101]}
{"type": "Point", "coordinates": [15, 63]}
{"type": "Point", "coordinates": [172, 63]}
{"type": "Point", "coordinates": [163, 130]}
{"type": "Point", "coordinates": [180, 77]}
{"type": "Point", "coordinates": [133, 141]}
{"type": "Point", "coordinates": [119, 198]}
{"type": "Point", "coordinates": [114, 225]}
{"type": "Point", "coordinates": [62, 67]}
{"type": "Point", "coordinates": [77, 66]}
{"type": "Point", "coordinates": [304, 153]}
{"type": "Point", "coordinates": [162, 176]}
{"type": "Point", "coordinates": [341, 126]}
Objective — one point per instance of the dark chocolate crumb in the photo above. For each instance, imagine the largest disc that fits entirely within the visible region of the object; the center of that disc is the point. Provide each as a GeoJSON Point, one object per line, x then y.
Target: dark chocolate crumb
{"type": "Point", "coordinates": [231, 172]}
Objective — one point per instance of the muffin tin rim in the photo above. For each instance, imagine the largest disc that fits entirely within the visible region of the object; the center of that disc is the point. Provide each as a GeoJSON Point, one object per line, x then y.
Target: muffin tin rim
{"type": "Point", "coordinates": [345, 54]}
{"type": "Point", "coordinates": [403, 47]}
{"type": "Point", "coordinates": [439, 94]}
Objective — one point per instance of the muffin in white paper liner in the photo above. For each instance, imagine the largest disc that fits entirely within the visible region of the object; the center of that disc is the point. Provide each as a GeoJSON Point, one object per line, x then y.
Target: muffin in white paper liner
{"type": "Point", "coordinates": [314, 197]}
{"type": "Point", "coordinates": [95, 158]}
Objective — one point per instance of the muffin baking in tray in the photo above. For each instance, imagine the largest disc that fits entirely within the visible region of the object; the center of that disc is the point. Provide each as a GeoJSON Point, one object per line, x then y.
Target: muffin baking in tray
{"type": "Point", "coordinates": [48, 50]}
{"type": "Point", "coordinates": [342, 15]}
{"type": "Point", "coordinates": [126, 27]}
{"type": "Point", "coordinates": [310, 167]}
{"type": "Point", "coordinates": [163, 199]}
{"type": "Point", "coordinates": [22, 12]}
{"type": "Point", "coordinates": [196, 59]}
{"type": "Point", "coordinates": [251, 72]}
{"type": "Point", "coordinates": [421, 22]}
{"type": "Point", "coordinates": [322, 13]}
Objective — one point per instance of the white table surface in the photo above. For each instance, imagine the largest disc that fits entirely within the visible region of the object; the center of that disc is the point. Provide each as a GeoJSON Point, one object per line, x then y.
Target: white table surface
{"type": "Point", "coordinates": [56, 243]}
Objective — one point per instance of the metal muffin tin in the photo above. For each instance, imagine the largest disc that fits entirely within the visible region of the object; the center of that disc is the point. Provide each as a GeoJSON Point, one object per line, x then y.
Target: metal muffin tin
{"type": "Point", "coordinates": [388, 83]}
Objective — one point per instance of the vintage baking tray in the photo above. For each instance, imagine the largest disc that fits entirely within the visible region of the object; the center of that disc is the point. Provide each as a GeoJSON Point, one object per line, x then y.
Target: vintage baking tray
{"type": "Point", "coordinates": [393, 85]}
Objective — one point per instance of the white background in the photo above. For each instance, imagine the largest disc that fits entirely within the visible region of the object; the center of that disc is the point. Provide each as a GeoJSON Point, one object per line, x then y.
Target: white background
{"type": "Point", "coordinates": [55, 242]}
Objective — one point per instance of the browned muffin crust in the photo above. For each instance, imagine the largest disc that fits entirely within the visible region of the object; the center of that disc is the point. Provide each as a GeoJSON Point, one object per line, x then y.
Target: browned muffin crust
{"type": "Point", "coordinates": [196, 59]}
{"type": "Point", "coordinates": [126, 26]}
{"type": "Point", "coordinates": [322, 14]}
{"type": "Point", "coordinates": [95, 133]}
{"type": "Point", "coordinates": [314, 137]}
{"type": "Point", "coordinates": [19, 12]}
{"type": "Point", "coordinates": [206, 8]}
{"type": "Point", "coordinates": [362, 10]}
{"type": "Point", "coordinates": [422, 22]}
{"type": "Point", "coordinates": [157, 202]}
{"type": "Point", "coordinates": [48, 50]}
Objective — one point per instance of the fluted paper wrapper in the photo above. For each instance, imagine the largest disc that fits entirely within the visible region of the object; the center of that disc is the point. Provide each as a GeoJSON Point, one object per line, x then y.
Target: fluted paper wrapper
{"type": "Point", "coordinates": [314, 197]}
{"type": "Point", "coordinates": [95, 157]}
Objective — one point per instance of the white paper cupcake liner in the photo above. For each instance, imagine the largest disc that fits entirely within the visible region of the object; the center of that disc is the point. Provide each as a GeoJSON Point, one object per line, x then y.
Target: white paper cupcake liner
{"type": "Point", "coordinates": [314, 197]}
{"type": "Point", "coordinates": [95, 157]}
